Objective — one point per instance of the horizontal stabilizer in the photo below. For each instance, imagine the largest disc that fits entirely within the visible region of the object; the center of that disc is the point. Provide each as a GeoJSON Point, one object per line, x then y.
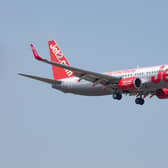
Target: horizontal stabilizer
{"type": "Point", "coordinates": [46, 80]}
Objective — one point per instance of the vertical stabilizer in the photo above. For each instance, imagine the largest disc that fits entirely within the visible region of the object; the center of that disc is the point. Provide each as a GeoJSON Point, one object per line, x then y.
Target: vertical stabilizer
{"type": "Point", "coordinates": [57, 56]}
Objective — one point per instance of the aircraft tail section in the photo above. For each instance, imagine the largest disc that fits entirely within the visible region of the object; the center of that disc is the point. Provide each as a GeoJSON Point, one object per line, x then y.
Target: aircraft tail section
{"type": "Point", "coordinates": [57, 56]}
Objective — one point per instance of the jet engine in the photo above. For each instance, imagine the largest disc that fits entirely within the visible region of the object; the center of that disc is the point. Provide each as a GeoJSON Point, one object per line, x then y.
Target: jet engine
{"type": "Point", "coordinates": [131, 83]}
{"type": "Point", "coordinates": [162, 93]}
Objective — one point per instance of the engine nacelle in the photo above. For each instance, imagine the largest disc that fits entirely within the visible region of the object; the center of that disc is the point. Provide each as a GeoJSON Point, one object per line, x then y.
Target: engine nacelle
{"type": "Point", "coordinates": [131, 83]}
{"type": "Point", "coordinates": [162, 93]}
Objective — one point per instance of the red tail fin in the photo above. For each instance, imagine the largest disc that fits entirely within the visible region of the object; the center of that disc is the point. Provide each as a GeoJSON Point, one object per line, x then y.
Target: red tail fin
{"type": "Point", "coordinates": [57, 56]}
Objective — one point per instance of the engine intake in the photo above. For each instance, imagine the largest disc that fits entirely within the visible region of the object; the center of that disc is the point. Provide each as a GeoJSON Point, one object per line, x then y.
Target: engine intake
{"type": "Point", "coordinates": [131, 83]}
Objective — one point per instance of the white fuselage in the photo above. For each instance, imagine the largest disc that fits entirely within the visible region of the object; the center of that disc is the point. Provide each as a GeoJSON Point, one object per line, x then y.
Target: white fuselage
{"type": "Point", "coordinates": [152, 78]}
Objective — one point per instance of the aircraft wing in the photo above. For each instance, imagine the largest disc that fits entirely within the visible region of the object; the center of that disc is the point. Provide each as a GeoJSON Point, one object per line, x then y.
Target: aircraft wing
{"type": "Point", "coordinates": [81, 73]}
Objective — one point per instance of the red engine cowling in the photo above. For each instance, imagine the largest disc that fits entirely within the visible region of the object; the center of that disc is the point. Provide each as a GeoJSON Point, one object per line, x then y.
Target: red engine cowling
{"type": "Point", "coordinates": [131, 83]}
{"type": "Point", "coordinates": [162, 93]}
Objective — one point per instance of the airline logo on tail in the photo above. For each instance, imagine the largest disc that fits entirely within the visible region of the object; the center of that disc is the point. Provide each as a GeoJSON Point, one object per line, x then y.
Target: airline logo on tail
{"type": "Point", "coordinates": [58, 56]}
{"type": "Point", "coordinates": [57, 52]}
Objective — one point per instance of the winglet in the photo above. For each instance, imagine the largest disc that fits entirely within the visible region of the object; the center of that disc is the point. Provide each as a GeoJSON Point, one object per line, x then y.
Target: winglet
{"type": "Point", "coordinates": [36, 56]}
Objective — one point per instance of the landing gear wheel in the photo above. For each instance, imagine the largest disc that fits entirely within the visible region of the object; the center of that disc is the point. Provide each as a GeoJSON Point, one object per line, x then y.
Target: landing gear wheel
{"type": "Point", "coordinates": [117, 96]}
{"type": "Point", "coordinates": [139, 101]}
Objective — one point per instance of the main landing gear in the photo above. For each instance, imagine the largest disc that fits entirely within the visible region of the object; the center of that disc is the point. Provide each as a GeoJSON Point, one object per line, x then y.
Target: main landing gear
{"type": "Point", "coordinates": [139, 100]}
{"type": "Point", "coordinates": [117, 96]}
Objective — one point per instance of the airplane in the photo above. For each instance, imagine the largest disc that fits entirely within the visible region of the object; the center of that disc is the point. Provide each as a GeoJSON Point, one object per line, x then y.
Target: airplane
{"type": "Point", "coordinates": [139, 82]}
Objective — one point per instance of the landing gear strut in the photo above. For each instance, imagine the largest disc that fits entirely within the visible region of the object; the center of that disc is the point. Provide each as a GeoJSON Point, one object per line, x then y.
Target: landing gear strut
{"type": "Point", "coordinates": [139, 101]}
{"type": "Point", "coordinates": [117, 96]}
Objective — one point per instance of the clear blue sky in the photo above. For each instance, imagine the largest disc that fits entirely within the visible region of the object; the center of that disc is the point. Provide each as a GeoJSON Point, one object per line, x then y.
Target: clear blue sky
{"type": "Point", "coordinates": [41, 127]}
